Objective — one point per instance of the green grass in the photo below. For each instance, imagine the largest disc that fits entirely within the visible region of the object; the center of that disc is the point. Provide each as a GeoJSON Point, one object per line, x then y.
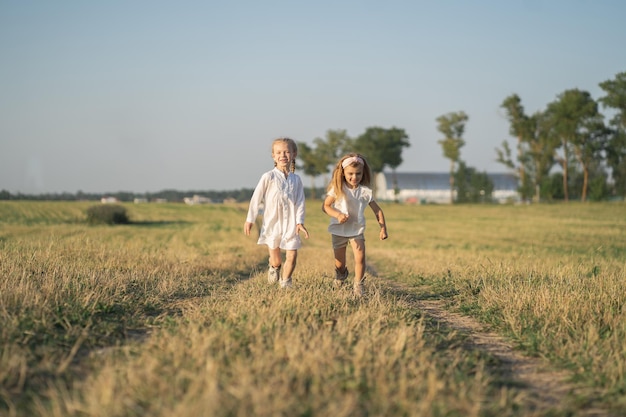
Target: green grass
{"type": "Point", "coordinates": [172, 314]}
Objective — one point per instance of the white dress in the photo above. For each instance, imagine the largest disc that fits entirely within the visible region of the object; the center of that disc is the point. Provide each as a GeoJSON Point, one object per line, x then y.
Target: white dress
{"type": "Point", "coordinates": [281, 202]}
{"type": "Point", "coordinates": [353, 203]}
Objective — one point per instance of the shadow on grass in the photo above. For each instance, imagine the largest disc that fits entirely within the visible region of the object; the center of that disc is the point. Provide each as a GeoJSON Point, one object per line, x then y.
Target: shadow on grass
{"type": "Point", "coordinates": [257, 271]}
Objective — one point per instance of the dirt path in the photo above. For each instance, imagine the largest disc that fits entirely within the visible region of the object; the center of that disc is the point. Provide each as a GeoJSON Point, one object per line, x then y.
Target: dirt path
{"type": "Point", "coordinates": [541, 386]}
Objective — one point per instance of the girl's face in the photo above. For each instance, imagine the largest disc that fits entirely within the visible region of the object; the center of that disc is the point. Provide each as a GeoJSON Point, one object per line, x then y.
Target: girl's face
{"type": "Point", "coordinates": [353, 175]}
{"type": "Point", "coordinates": [282, 155]}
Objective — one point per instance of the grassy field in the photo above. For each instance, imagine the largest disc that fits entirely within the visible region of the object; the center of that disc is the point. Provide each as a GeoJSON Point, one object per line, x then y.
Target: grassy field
{"type": "Point", "coordinates": [172, 315]}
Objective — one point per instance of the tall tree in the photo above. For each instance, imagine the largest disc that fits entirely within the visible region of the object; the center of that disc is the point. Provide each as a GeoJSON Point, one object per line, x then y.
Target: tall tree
{"type": "Point", "coordinates": [312, 164]}
{"type": "Point", "coordinates": [452, 126]}
{"type": "Point", "coordinates": [328, 150]}
{"type": "Point", "coordinates": [519, 128]}
{"type": "Point", "coordinates": [539, 154]}
{"type": "Point", "coordinates": [589, 146]}
{"type": "Point", "coordinates": [535, 147]}
{"type": "Point", "coordinates": [472, 186]}
{"type": "Point", "coordinates": [616, 160]}
{"type": "Point", "coordinates": [615, 99]}
{"type": "Point", "coordinates": [597, 176]}
{"type": "Point", "coordinates": [568, 115]}
{"type": "Point", "coordinates": [383, 148]}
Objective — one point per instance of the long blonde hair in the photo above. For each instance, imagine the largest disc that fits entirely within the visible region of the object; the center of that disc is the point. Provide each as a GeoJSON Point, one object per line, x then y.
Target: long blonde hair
{"type": "Point", "coordinates": [293, 148]}
{"type": "Point", "coordinates": [338, 180]}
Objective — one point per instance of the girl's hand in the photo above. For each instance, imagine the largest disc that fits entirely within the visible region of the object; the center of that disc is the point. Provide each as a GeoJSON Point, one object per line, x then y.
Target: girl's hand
{"type": "Point", "coordinates": [383, 233]}
{"type": "Point", "coordinates": [301, 228]}
{"type": "Point", "coordinates": [342, 218]}
{"type": "Point", "coordinates": [247, 227]}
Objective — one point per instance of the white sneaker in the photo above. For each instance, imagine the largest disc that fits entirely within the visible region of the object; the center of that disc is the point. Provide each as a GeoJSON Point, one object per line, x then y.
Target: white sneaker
{"type": "Point", "coordinates": [287, 283]}
{"type": "Point", "coordinates": [273, 274]}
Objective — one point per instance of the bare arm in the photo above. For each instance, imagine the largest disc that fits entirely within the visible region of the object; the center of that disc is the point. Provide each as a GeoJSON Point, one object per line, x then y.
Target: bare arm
{"type": "Point", "coordinates": [328, 208]}
{"type": "Point", "coordinates": [255, 204]}
{"type": "Point", "coordinates": [380, 217]}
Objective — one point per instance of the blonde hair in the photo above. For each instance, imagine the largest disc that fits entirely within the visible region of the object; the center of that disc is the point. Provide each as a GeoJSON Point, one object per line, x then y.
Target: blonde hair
{"type": "Point", "coordinates": [338, 180]}
{"type": "Point", "coordinates": [293, 148]}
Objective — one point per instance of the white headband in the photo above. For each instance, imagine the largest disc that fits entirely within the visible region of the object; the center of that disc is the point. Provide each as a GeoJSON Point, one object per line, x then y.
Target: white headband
{"type": "Point", "coordinates": [352, 160]}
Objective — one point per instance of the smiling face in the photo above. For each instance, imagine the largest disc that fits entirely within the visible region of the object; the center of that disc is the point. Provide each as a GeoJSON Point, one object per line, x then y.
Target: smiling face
{"type": "Point", "coordinates": [353, 175]}
{"type": "Point", "coordinates": [282, 155]}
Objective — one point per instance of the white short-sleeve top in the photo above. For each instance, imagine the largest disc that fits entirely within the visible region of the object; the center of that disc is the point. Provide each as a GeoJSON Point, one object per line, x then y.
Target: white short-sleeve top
{"type": "Point", "coordinates": [281, 202]}
{"type": "Point", "coordinates": [353, 203]}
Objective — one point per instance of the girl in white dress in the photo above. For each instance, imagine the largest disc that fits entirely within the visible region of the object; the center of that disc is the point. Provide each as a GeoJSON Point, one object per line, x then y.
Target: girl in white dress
{"type": "Point", "coordinates": [279, 196]}
{"type": "Point", "coordinates": [347, 197]}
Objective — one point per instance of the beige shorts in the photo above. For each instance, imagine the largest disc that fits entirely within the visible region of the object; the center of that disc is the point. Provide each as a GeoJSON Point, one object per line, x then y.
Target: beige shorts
{"type": "Point", "coordinates": [342, 241]}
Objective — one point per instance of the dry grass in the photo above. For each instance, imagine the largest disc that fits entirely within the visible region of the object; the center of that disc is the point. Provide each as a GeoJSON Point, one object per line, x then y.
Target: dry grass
{"type": "Point", "coordinates": [172, 315]}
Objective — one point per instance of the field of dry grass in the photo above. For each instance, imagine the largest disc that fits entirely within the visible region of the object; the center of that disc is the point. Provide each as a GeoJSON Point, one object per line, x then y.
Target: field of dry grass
{"type": "Point", "coordinates": [172, 314]}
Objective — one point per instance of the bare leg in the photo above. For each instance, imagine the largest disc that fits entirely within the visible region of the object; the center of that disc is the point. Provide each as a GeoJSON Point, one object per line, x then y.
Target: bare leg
{"type": "Point", "coordinates": [358, 247]}
{"type": "Point", "coordinates": [273, 272]}
{"type": "Point", "coordinates": [275, 258]}
{"type": "Point", "coordinates": [290, 263]}
{"type": "Point", "coordinates": [341, 270]}
{"type": "Point", "coordinates": [340, 258]}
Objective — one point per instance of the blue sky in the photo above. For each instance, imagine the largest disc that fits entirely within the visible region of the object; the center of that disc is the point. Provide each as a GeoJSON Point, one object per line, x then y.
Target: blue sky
{"type": "Point", "coordinates": [143, 96]}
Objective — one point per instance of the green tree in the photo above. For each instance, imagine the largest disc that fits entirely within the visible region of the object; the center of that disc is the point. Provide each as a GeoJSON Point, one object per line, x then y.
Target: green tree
{"type": "Point", "coordinates": [472, 186]}
{"type": "Point", "coordinates": [383, 148]}
{"type": "Point", "coordinates": [616, 160]}
{"type": "Point", "coordinates": [535, 147]}
{"type": "Point", "coordinates": [596, 179]}
{"type": "Point", "coordinates": [615, 99]}
{"type": "Point", "coordinates": [312, 164]}
{"type": "Point", "coordinates": [589, 146]}
{"type": "Point", "coordinates": [330, 149]}
{"type": "Point", "coordinates": [552, 187]}
{"type": "Point", "coordinates": [539, 154]}
{"type": "Point", "coordinates": [452, 126]}
{"type": "Point", "coordinates": [569, 115]}
{"type": "Point", "coordinates": [320, 159]}
{"type": "Point", "coordinates": [520, 129]}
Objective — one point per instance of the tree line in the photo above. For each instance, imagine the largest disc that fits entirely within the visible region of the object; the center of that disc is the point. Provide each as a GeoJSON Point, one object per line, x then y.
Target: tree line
{"type": "Point", "coordinates": [570, 134]}
{"type": "Point", "coordinates": [169, 195]}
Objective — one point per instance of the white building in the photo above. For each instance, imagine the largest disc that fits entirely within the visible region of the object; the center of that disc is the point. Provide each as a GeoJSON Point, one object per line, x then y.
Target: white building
{"type": "Point", "coordinates": [434, 187]}
{"type": "Point", "coordinates": [197, 199]}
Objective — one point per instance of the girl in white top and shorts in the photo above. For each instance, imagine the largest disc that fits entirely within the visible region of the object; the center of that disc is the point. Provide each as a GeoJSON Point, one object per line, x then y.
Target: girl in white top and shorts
{"type": "Point", "coordinates": [347, 197]}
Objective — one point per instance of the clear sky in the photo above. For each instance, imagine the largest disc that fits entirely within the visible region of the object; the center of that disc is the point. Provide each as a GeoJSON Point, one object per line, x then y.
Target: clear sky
{"type": "Point", "coordinates": [141, 96]}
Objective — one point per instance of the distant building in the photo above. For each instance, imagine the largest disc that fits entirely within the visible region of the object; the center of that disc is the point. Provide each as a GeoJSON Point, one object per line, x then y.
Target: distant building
{"type": "Point", "coordinates": [434, 187]}
{"type": "Point", "coordinates": [109, 200]}
{"type": "Point", "coordinates": [140, 200]}
{"type": "Point", "coordinates": [197, 199]}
